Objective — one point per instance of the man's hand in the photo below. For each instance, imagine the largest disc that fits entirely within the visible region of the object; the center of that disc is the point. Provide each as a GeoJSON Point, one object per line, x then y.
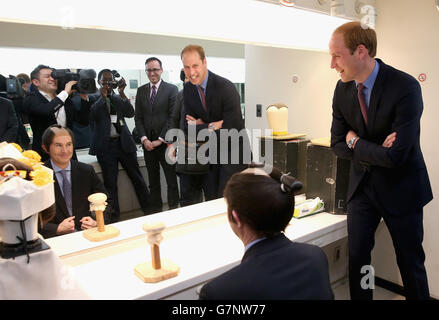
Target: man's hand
{"type": "Point", "coordinates": [172, 152]}
{"type": "Point", "coordinates": [68, 87]}
{"type": "Point", "coordinates": [192, 121]}
{"type": "Point", "coordinates": [156, 143]}
{"type": "Point", "coordinates": [67, 226]}
{"type": "Point", "coordinates": [84, 96]}
{"type": "Point", "coordinates": [148, 145]}
{"type": "Point", "coordinates": [350, 135]}
{"type": "Point", "coordinates": [389, 140]}
{"type": "Point", "coordinates": [217, 124]}
{"type": "Point", "coordinates": [104, 92]}
{"type": "Point", "coordinates": [122, 87]}
{"type": "Point", "coordinates": [87, 223]}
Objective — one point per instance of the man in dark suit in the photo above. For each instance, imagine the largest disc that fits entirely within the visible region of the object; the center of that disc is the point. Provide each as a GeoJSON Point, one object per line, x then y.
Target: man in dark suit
{"type": "Point", "coordinates": [112, 142]}
{"type": "Point", "coordinates": [74, 182]}
{"type": "Point", "coordinates": [154, 103]}
{"type": "Point", "coordinates": [273, 267]}
{"type": "Point", "coordinates": [377, 127]}
{"type": "Point", "coordinates": [213, 107]}
{"type": "Point", "coordinates": [44, 107]}
{"type": "Point", "coordinates": [8, 121]}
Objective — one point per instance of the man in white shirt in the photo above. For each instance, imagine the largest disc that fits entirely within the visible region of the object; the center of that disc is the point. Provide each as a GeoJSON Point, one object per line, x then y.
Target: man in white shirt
{"type": "Point", "coordinates": [45, 107]}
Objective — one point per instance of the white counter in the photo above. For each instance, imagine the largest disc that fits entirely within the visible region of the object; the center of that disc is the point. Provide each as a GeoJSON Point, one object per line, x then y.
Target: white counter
{"type": "Point", "coordinates": [202, 249]}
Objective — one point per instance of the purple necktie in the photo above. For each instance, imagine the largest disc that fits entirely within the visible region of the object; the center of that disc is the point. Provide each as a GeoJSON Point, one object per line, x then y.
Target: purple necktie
{"type": "Point", "coordinates": [153, 94]}
{"type": "Point", "coordinates": [67, 191]}
{"type": "Point", "coordinates": [203, 98]}
{"type": "Point", "coordinates": [362, 102]}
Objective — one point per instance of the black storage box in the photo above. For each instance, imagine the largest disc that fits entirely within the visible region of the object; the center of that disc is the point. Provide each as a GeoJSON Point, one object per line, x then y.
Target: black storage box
{"type": "Point", "coordinates": [327, 178]}
{"type": "Point", "coordinates": [289, 156]}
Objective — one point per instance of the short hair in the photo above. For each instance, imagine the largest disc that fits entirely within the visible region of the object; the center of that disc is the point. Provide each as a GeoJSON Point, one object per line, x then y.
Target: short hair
{"type": "Point", "coordinates": [49, 134]}
{"type": "Point", "coordinates": [35, 74]}
{"type": "Point", "coordinates": [194, 47]}
{"type": "Point", "coordinates": [24, 76]}
{"type": "Point", "coordinates": [259, 202]}
{"type": "Point", "coordinates": [154, 59]}
{"type": "Point", "coordinates": [102, 71]}
{"type": "Point", "coordinates": [355, 34]}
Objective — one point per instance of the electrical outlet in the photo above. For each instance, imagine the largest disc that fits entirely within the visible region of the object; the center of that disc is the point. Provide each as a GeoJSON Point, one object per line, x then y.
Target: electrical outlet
{"type": "Point", "coordinates": [259, 110]}
{"type": "Point", "coordinates": [337, 253]}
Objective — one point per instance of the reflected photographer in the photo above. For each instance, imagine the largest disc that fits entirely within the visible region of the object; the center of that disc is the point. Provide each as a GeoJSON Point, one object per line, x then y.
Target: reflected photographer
{"type": "Point", "coordinates": [46, 105]}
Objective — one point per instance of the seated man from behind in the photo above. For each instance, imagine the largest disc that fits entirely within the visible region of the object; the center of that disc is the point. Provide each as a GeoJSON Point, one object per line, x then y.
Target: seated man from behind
{"type": "Point", "coordinates": [273, 267]}
{"type": "Point", "coordinates": [74, 182]}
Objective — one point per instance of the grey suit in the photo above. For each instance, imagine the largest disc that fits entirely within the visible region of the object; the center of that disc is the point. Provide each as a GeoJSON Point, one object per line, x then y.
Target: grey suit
{"type": "Point", "coordinates": [152, 122]}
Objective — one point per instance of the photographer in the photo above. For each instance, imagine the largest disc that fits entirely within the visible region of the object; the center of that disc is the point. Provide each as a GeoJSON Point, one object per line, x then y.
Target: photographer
{"type": "Point", "coordinates": [44, 107]}
{"type": "Point", "coordinates": [111, 141]}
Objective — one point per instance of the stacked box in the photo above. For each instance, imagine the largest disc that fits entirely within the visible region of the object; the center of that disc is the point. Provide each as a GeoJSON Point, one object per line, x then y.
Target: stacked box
{"type": "Point", "coordinates": [288, 156]}
{"type": "Point", "coordinates": [328, 178]}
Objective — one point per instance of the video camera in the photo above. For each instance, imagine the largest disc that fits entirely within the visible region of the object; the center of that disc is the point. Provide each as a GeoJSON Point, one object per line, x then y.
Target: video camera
{"type": "Point", "coordinates": [11, 87]}
{"type": "Point", "coordinates": [116, 83]}
{"type": "Point", "coordinates": [85, 77]}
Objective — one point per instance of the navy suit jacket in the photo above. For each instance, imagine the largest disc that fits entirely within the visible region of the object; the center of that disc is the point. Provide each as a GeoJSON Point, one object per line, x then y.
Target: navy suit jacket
{"type": "Point", "coordinates": [100, 122]}
{"type": "Point", "coordinates": [398, 174]}
{"type": "Point", "coordinates": [222, 103]}
{"type": "Point", "coordinates": [152, 121]}
{"type": "Point", "coordinates": [84, 181]}
{"type": "Point", "coordinates": [42, 115]}
{"type": "Point", "coordinates": [8, 121]}
{"type": "Point", "coordinates": [274, 269]}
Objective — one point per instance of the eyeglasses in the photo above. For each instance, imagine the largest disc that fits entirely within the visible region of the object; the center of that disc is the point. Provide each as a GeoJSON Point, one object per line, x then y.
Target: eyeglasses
{"type": "Point", "coordinates": [152, 70]}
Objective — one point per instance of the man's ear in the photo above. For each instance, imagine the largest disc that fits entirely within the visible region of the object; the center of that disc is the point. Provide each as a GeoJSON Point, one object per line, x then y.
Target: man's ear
{"type": "Point", "coordinates": [236, 218]}
{"type": "Point", "coordinates": [44, 148]}
{"type": "Point", "coordinates": [36, 82]}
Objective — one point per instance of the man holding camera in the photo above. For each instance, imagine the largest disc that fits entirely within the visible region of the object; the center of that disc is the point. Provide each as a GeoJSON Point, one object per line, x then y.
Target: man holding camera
{"type": "Point", "coordinates": [112, 142]}
{"type": "Point", "coordinates": [45, 107]}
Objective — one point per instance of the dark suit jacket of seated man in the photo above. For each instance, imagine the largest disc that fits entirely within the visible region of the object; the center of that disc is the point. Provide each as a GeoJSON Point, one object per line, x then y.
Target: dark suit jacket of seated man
{"type": "Point", "coordinates": [273, 267]}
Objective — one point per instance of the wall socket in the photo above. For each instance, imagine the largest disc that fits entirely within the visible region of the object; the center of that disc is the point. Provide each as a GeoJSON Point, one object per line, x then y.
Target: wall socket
{"type": "Point", "coordinates": [337, 253]}
{"type": "Point", "coordinates": [259, 110]}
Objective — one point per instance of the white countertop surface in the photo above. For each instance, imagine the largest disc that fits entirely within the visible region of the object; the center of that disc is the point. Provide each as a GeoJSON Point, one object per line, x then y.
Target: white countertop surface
{"type": "Point", "coordinates": [202, 249]}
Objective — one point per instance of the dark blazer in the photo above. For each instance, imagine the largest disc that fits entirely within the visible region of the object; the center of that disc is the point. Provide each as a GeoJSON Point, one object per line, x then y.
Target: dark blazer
{"type": "Point", "coordinates": [274, 269]}
{"type": "Point", "coordinates": [41, 115]}
{"type": "Point", "coordinates": [152, 121]}
{"type": "Point", "coordinates": [100, 122]}
{"type": "Point", "coordinates": [8, 121]}
{"type": "Point", "coordinates": [84, 182]}
{"type": "Point", "coordinates": [222, 103]}
{"type": "Point", "coordinates": [398, 174]}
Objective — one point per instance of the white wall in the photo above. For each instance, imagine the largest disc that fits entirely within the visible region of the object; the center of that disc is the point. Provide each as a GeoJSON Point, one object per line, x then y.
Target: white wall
{"type": "Point", "coordinates": [407, 39]}
{"type": "Point", "coordinates": [269, 73]}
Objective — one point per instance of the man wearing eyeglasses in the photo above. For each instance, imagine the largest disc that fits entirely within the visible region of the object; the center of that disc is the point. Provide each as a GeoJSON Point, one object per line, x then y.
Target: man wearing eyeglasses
{"type": "Point", "coordinates": [154, 105]}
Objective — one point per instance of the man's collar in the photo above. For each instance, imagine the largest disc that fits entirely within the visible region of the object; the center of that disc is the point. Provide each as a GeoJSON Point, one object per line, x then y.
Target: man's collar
{"type": "Point", "coordinates": [57, 169]}
{"type": "Point", "coordinates": [370, 81]}
{"type": "Point", "coordinates": [204, 83]}
{"type": "Point", "coordinates": [157, 84]}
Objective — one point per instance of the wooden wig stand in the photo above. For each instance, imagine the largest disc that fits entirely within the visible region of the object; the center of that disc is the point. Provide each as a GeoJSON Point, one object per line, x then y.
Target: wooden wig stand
{"type": "Point", "coordinates": [157, 269]}
{"type": "Point", "coordinates": [101, 232]}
